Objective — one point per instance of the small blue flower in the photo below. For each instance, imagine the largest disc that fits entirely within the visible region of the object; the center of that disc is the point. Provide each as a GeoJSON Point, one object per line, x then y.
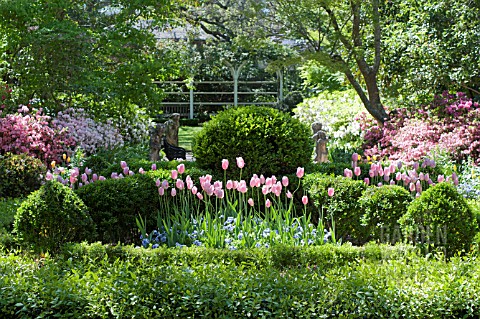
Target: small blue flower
{"type": "Point", "coordinates": [163, 238]}
{"type": "Point", "coordinates": [240, 236]}
{"type": "Point", "coordinates": [267, 245]}
{"type": "Point", "coordinates": [232, 247]}
{"type": "Point", "coordinates": [179, 245]}
{"type": "Point", "coordinates": [300, 229]}
{"type": "Point", "coordinates": [228, 240]}
{"type": "Point", "coordinates": [229, 220]}
{"type": "Point", "coordinates": [155, 246]}
{"type": "Point", "coordinates": [266, 232]}
{"type": "Point", "coordinates": [197, 243]}
{"type": "Point", "coordinates": [155, 233]}
{"type": "Point", "coordinates": [145, 242]}
{"type": "Point", "coordinates": [258, 245]}
{"type": "Point", "coordinates": [310, 241]}
{"type": "Point", "coordinates": [296, 236]}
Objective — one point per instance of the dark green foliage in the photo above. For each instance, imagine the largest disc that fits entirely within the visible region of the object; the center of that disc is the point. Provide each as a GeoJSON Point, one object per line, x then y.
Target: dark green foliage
{"type": "Point", "coordinates": [8, 209]}
{"type": "Point", "coordinates": [270, 141]}
{"type": "Point", "coordinates": [371, 282]}
{"type": "Point", "coordinates": [51, 217]}
{"type": "Point", "coordinates": [343, 206]}
{"type": "Point", "coordinates": [440, 218]}
{"type": "Point", "coordinates": [337, 168]}
{"type": "Point", "coordinates": [382, 208]}
{"type": "Point", "coordinates": [20, 175]}
{"type": "Point", "coordinates": [115, 203]}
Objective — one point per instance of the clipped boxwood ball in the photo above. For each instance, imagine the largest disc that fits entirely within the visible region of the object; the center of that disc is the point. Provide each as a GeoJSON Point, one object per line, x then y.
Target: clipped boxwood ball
{"type": "Point", "coordinates": [440, 218]}
{"type": "Point", "coordinates": [51, 217]}
{"type": "Point", "coordinates": [382, 207]}
{"type": "Point", "coordinates": [270, 141]}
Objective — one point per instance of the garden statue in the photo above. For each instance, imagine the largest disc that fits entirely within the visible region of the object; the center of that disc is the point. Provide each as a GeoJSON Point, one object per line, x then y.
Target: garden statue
{"type": "Point", "coordinates": [156, 141]}
{"type": "Point", "coordinates": [320, 138]}
{"type": "Point", "coordinates": [171, 129]}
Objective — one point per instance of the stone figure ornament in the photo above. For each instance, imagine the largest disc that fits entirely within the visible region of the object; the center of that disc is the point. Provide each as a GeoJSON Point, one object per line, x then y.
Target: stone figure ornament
{"type": "Point", "coordinates": [171, 129]}
{"type": "Point", "coordinates": [156, 141]}
{"type": "Point", "coordinates": [320, 138]}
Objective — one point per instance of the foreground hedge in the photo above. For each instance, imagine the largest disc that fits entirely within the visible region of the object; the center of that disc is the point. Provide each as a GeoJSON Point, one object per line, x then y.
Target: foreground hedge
{"type": "Point", "coordinates": [409, 287]}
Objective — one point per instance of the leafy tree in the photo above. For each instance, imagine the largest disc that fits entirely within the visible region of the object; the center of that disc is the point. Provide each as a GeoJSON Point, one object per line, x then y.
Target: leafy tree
{"type": "Point", "coordinates": [430, 48]}
{"type": "Point", "coordinates": [342, 35]}
{"type": "Point", "coordinates": [101, 55]}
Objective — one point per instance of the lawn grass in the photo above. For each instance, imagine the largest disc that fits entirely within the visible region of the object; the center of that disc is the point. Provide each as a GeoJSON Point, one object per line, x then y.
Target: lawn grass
{"type": "Point", "coordinates": [185, 136]}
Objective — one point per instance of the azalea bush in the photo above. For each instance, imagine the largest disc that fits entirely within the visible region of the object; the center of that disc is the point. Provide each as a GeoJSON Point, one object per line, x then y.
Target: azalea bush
{"type": "Point", "coordinates": [449, 123]}
{"type": "Point", "coordinates": [87, 133]}
{"type": "Point", "coordinates": [33, 134]}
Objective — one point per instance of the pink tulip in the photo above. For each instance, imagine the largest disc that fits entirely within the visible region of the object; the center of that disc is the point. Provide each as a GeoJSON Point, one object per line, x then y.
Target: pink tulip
{"type": "Point", "coordinates": [180, 184]}
{"type": "Point", "coordinates": [265, 190]}
{"type": "Point", "coordinates": [366, 180]}
{"type": "Point", "coordinates": [380, 184]}
{"type": "Point", "coordinates": [412, 187]}
{"type": "Point", "coordinates": [217, 185]}
{"type": "Point", "coordinates": [269, 182]}
{"type": "Point", "coordinates": [73, 179]}
{"type": "Point", "coordinates": [210, 190]}
{"type": "Point", "coordinates": [161, 191]}
{"type": "Point", "coordinates": [285, 181]}
{"type": "Point", "coordinates": [235, 184]}
{"type": "Point", "coordinates": [49, 176]}
{"type": "Point", "coordinates": [347, 173]}
{"type": "Point", "coordinates": [380, 171]}
{"type": "Point", "coordinates": [120, 175]}
{"type": "Point", "coordinates": [386, 177]}
{"type": "Point", "coordinates": [242, 187]}
{"type": "Point", "coordinates": [154, 167]}
{"type": "Point", "coordinates": [354, 157]}
{"type": "Point", "coordinates": [126, 170]}
{"type": "Point", "coordinates": [371, 173]}
{"type": "Point", "coordinates": [229, 184]}
{"type": "Point", "coordinates": [398, 176]}
{"type": "Point", "coordinates": [181, 168]}
{"type": "Point", "coordinates": [392, 182]}
{"type": "Point", "coordinates": [173, 192]}
{"type": "Point", "coordinates": [174, 174]}
{"type": "Point", "coordinates": [262, 179]}
{"type": "Point", "coordinates": [240, 162]}
{"type": "Point", "coordinates": [224, 164]}
{"type": "Point", "coordinates": [208, 178]}
{"type": "Point", "coordinates": [123, 164]}
{"type": "Point", "coordinates": [289, 194]}
{"type": "Point", "coordinates": [165, 184]}
{"type": "Point", "coordinates": [200, 196]}
{"type": "Point", "coordinates": [88, 171]}
{"type": "Point", "coordinates": [441, 178]}
{"type": "Point", "coordinates": [84, 177]}
{"type": "Point", "coordinates": [80, 185]}
{"type": "Point", "coordinates": [157, 183]}
{"type": "Point", "coordinates": [305, 200]}
{"type": "Point", "coordinates": [357, 171]}
{"type": "Point", "coordinates": [219, 193]}
{"type": "Point", "coordinates": [268, 203]}
{"type": "Point", "coordinates": [300, 172]}
{"type": "Point", "coordinates": [131, 173]}
{"type": "Point", "coordinates": [250, 202]}
{"type": "Point", "coordinates": [141, 170]}
{"type": "Point", "coordinates": [331, 191]}
{"type": "Point", "coordinates": [253, 181]}
{"type": "Point", "coordinates": [101, 178]}
{"type": "Point", "coordinates": [194, 190]}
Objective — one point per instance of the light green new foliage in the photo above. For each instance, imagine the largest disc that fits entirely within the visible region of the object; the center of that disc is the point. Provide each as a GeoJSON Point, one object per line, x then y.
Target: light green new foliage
{"type": "Point", "coordinates": [336, 111]}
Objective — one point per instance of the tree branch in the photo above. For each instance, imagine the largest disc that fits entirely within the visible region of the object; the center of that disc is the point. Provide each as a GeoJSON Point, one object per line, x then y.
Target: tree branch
{"type": "Point", "coordinates": [377, 36]}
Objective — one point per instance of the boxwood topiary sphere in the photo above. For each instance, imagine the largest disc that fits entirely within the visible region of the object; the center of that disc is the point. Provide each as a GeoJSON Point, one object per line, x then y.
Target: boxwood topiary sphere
{"type": "Point", "coordinates": [440, 218]}
{"type": "Point", "coordinates": [20, 174]}
{"type": "Point", "coordinates": [270, 141]}
{"type": "Point", "coordinates": [52, 216]}
{"type": "Point", "coordinates": [382, 207]}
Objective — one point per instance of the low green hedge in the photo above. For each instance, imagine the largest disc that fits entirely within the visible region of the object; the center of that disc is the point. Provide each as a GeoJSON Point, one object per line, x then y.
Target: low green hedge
{"type": "Point", "coordinates": [411, 287]}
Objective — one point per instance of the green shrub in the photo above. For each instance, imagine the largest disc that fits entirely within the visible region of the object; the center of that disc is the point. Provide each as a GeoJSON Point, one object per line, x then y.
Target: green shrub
{"type": "Point", "coordinates": [270, 141]}
{"type": "Point", "coordinates": [8, 209]}
{"type": "Point", "coordinates": [440, 218]}
{"type": "Point", "coordinates": [52, 216]}
{"type": "Point", "coordinates": [115, 203]}
{"type": "Point", "coordinates": [343, 205]}
{"type": "Point", "coordinates": [20, 175]}
{"type": "Point", "coordinates": [383, 207]}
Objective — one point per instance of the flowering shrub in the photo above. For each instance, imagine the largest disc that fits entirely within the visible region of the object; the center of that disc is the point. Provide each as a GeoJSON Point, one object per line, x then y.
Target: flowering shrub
{"type": "Point", "coordinates": [134, 129]}
{"type": "Point", "coordinates": [450, 123]}
{"type": "Point", "coordinates": [87, 133]}
{"type": "Point", "coordinates": [34, 135]}
{"type": "Point", "coordinates": [336, 111]}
